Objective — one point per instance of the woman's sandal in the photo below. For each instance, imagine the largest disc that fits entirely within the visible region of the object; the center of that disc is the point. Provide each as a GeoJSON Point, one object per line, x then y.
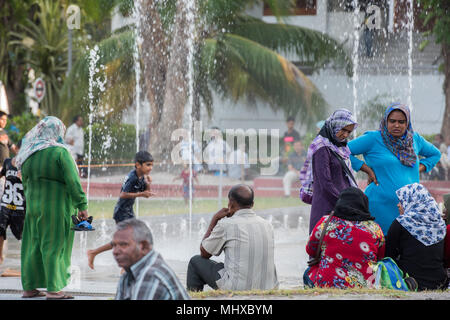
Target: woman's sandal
{"type": "Point", "coordinates": [63, 297]}
{"type": "Point", "coordinates": [36, 294]}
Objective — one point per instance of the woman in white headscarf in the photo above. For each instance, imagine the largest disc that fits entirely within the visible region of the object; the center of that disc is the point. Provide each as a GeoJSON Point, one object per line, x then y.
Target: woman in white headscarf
{"type": "Point", "coordinates": [415, 239]}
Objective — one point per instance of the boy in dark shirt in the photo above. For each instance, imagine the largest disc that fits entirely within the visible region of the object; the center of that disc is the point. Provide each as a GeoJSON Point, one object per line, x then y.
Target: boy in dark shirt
{"type": "Point", "coordinates": [12, 203]}
{"type": "Point", "coordinates": [136, 184]}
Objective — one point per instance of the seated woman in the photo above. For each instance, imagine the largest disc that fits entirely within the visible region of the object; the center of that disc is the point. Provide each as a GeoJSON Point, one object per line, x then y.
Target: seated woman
{"type": "Point", "coordinates": [446, 218]}
{"type": "Point", "coordinates": [415, 239]}
{"type": "Point", "coordinates": [352, 242]}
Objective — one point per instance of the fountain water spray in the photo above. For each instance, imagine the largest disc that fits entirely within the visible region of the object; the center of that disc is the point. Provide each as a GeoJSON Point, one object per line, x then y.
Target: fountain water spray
{"type": "Point", "coordinates": [410, 16]}
{"type": "Point", "coordinates": [95, 82]}
{"type": "Point", "coordinates": [191, 34]}
{"type": "Point", "coordinates": [137, 71]}
{"type": "Point", "coordinates": [355, 58]}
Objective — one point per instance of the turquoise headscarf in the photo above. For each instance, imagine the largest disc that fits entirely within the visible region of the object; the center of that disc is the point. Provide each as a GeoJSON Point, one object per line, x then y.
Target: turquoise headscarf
{"type": "Point", "coordinates": [49, 132]}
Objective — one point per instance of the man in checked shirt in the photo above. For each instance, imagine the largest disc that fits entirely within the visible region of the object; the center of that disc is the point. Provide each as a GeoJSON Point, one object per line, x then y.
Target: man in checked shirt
{"type": "Point", "coordinates": [147, 276]}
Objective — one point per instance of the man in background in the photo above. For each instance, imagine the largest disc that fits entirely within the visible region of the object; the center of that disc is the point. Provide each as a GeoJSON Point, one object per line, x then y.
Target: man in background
{"type": "Point", "coordinates": [75, 139]}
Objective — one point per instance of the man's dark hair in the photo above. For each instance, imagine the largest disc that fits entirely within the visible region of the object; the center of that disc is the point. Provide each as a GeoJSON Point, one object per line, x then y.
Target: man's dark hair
{"type": "Point", "coordinates": [143, 156]}
{"type": "Point", "coordinates": [19, 144]}
{"type": "Point", "coordinates": [242, 194]}
{"type": "Point", "coordinates": [290, 118]}
{"type": "Point", "coordinates": [2, 113]}
{"type": "Point", "coordinates": [75, 119]}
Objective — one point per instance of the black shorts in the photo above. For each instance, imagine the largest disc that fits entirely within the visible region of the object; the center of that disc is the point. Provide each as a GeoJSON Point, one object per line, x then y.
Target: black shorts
{"type": "Point", "coordinates": [14, 220]}
{"type": "Point", "coordinates": [120, 215]}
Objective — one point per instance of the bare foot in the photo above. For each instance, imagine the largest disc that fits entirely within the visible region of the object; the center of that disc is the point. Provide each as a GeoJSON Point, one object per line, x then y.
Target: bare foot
{"type": "Point", "coordinates": [91, 257]}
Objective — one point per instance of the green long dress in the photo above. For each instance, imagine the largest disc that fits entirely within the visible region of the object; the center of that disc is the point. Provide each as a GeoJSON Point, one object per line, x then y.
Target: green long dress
{"type": "Point", "coordinates": [53, 192]}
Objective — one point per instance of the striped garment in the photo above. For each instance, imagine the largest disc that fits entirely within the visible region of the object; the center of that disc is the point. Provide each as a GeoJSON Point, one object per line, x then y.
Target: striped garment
{"type": "Point", "coordinates": [53, 192]}
{"type": "Point", "coordinates": [150, 279]}
{"type": "Point", "coordinates": [248, 243]}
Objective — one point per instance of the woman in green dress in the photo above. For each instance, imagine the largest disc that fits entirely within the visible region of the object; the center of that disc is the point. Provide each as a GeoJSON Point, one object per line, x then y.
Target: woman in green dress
{"type": "Point", "coordinates": [53, 194]}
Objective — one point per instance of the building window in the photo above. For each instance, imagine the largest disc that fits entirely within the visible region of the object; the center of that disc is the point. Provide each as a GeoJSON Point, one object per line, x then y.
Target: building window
{"type": "Point", "coordinates": [302, 8]}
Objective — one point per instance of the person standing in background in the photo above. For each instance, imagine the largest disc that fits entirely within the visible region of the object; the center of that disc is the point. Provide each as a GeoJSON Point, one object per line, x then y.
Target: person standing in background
{"type": "Point", "coordinates": [327, 169]}
{"type": "Point", "coordinates": [75, 139]}
{"type": "Point", "coordinates": [391, 161]}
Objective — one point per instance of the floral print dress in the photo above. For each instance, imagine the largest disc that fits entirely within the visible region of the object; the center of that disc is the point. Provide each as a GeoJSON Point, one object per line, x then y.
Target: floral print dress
{"type": "Point", "coordinates": [349, 249]}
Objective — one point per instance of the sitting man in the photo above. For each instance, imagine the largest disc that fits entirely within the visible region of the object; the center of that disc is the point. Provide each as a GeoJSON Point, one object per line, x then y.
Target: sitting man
{"type": "Point", "coordinates": [147, 276]}
{"type": "Point", "coordinates": [295, 164]}
{"type": "Point", "coordinates": [248, 243]}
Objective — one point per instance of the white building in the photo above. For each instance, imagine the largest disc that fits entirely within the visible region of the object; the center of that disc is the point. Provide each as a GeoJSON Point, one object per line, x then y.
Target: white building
{"type": "Point", "coordinates": [387, 73]}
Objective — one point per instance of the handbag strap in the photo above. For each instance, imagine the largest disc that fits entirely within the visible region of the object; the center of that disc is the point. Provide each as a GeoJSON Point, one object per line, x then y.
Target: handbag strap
{"type": "Point", "coordinates": [324, 230]}
{"type": "Point", "coordinates": [344, 166]}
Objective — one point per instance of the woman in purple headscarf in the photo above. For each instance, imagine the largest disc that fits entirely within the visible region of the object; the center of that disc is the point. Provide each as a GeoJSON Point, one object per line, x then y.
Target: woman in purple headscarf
{"type": "Point", "coordinates": [327, 169]}
{"type": "Point", "coordinates": [391, 161]}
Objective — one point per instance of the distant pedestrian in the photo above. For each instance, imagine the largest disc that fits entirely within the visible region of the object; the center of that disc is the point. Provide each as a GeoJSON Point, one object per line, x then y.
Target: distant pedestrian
{"type": "Point", "coordinates": [188, 183]}
{"type": "Point", "coordinates": [295, 164]}
{"type": "Point", "coordinates": [75, 138]}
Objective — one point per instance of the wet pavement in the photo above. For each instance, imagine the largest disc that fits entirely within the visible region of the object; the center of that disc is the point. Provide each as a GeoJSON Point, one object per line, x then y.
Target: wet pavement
{"type": "Point", "coordinates": [177, 246]}
{"type": "Point", "coordinates": [173, 241]}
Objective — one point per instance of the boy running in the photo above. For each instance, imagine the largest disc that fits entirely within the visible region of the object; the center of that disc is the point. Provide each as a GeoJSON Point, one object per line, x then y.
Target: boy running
{"type": "Point", "coordinates": [136, 184]}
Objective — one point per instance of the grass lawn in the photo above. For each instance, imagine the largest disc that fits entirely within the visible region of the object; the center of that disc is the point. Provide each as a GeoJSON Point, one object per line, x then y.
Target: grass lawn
{"type": "Point", "coordinates": [147, 207]}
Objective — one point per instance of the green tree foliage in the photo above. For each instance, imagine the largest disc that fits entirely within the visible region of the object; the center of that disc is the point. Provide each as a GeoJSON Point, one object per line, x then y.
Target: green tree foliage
{"type": "Point", "coordinates": [12, 64]}
{"type": "Point", "coordinates": [436, 15]}
{"type": "Point", "coordinates": [237, 56]}
{"type": "Point", "coordinates": [45, 41]}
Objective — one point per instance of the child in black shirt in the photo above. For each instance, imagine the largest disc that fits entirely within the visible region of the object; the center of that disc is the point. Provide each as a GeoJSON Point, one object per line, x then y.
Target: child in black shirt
{"type": "Point", "coordinates": [136, 184]}
{"type": "Point", "coordinates": [12, 203]}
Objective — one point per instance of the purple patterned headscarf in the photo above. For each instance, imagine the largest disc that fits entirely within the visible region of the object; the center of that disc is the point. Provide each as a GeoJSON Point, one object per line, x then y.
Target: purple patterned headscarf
{"type": "Point", "coordinates": [401, 147]}
{"type": "Point", "coordinates": [326, 138]}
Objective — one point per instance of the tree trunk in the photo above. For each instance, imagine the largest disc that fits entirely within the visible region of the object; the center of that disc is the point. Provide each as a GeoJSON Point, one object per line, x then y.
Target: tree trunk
{"type": "Point", "coordinates": [170, 116]}
{"type": "Point", "coordinates": [14, 87]}
{"type": "Point", "coordinates": [445, 131]}
{"type": "Point", "coordinates": [156, 57]}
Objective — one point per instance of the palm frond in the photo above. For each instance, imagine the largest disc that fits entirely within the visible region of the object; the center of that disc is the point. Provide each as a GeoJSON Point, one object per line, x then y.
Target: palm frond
{"type": "Point", "coordinates": [114, 55]}
{"type": "Point", "coordinates": [312, 47]}
{"type": "Point", "coordinates": [243, 68]}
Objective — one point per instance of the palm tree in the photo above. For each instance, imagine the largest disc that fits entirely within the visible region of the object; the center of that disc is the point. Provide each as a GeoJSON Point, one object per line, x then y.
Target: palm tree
{"type": "Point", "coordinates": [45, 39]}
{"type": "Point", "coordinates": [12, 66]}
{"type": "Point", "coordinates": [236, 55]}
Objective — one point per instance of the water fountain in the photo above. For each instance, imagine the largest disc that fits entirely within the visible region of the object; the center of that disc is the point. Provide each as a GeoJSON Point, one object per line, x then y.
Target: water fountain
{"type": "Point", "coordinates": [177, 237]}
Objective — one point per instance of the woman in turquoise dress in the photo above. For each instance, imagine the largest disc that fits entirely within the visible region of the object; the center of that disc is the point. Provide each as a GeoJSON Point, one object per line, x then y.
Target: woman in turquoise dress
{"type": "Point", "coordinates": [391, 160]}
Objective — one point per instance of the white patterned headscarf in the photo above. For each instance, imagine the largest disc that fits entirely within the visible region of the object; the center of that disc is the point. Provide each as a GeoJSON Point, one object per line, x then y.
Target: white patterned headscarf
{"type": "Point", "coordinates": [422, 217]}
{"type": "Point", "coordinates": [49, 132]}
